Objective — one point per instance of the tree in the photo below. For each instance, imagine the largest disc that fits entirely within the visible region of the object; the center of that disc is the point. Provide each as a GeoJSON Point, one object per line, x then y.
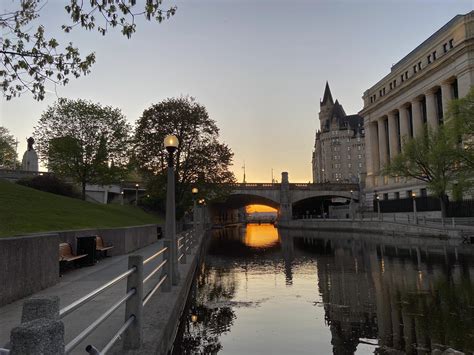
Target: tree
{"type": "Point", "coordinates": [201, 160]}
{"type": "Point", "coordinates": [460, 119]}
{"type": "Point", "coordinates": [431, 157]}
{"type": "Point", "coordinates": [84, 141]}
{"type": "Point", "coordinates": [31, 58]}
{"type": "Point", "coordinates": [7, 149]}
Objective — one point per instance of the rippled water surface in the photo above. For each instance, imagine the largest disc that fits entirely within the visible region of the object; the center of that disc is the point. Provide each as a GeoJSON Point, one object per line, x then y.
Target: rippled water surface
{"type": "Point", "coordinates": [261, 291]}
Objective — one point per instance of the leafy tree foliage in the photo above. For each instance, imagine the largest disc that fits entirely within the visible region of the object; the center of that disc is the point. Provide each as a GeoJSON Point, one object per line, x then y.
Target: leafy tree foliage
{"type": "Point", "coordinates": [460, 118]}
{"type": "Point", "coordinates": [431, 157]}
{"type": "Point", "coordinates": [7, 150]}
{"type": "Point", "coordinates": [200, 161]}
{"type": "Point", "coordinates": [31, 58]}
{"type": "Point", "coordinates": [84, 141]}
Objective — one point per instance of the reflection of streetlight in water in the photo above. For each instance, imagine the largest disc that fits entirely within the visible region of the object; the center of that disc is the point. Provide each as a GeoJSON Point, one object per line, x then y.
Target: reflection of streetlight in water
{"type": "Point", "coordinates": [261, 235]}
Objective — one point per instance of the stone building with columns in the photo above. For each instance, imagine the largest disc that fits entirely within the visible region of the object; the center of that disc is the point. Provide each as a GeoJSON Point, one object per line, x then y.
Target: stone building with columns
{"type": "Point", "coordinates": [339, 147]}
{"type": "Point", "coordinates": [417, 91]}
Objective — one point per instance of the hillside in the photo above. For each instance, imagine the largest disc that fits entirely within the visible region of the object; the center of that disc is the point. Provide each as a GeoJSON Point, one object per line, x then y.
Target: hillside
{"type": "Point", "coordinates": [25, 210]}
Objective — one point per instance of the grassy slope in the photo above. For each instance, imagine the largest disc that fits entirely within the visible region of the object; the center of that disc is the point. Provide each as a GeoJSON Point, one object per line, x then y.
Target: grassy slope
{"type": "Point", "coordinates": [24, 210]}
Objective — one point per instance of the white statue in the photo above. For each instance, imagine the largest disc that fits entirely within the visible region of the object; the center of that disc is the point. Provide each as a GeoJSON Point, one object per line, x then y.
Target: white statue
{"type": "Point", "coordinates": [30, 158]}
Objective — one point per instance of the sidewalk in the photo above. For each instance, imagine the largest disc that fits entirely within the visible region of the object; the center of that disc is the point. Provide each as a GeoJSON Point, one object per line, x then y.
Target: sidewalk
{"type": "Point", "coordinates": [76, 283]}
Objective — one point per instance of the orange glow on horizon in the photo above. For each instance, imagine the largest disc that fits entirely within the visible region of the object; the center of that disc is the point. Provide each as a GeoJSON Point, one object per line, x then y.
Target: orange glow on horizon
{"type": "Point", "coordinates": [259, 208]}
{"type": "Point", "coordinates": [261, 235]}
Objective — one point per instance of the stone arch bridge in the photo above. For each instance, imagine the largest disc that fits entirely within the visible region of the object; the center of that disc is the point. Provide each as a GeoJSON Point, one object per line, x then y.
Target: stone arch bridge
{"type": "Point", "coordinates": [283, 196]}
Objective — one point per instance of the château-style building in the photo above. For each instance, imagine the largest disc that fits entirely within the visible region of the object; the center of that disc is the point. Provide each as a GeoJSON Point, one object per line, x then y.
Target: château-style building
{"type": "Point", "coordinates": [417, 91]}
{"type": "Point", "coordinates": [339, 148]}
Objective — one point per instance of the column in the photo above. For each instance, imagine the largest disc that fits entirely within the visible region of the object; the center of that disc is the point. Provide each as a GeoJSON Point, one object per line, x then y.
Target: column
{"type": "Point", "coordinates": [431, 116]}
{"type": "Point", "coordinates": [374, 148]}
{"type": "Point", "coordinates": [417, 118]}
{"type": "Point", "coordinates": [446, 97]}
{"type": "Point", "coordinates": [382, 143]}
{"type": "Point", "coordinates": [465, 82]}
{"type": "Point", "coordinates": [393, 134]}
{"type": "Point", "coordinates": [404, 125]}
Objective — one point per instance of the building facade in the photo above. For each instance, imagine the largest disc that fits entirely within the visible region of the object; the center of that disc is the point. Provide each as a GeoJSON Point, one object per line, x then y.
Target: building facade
{"type": "Point", "coordinates": [416, 92]}
{"type": "Point", "coordinates": [339, 147]}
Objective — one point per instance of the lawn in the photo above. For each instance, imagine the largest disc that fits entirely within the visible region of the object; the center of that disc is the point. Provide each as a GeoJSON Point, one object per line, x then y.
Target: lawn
{"type": "Point", "coordinates": [25, 210]}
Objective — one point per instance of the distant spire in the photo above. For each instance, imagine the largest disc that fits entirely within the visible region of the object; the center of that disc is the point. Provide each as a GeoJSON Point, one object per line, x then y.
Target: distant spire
{"type": "Point", "coordinates": [327, 98]}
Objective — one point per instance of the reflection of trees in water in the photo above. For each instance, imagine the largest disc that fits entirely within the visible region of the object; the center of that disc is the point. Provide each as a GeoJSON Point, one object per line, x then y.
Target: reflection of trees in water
{"type": "Point", "coordinates": [213, 289]}
{"type": "Point", "coordinates": [410, 300]}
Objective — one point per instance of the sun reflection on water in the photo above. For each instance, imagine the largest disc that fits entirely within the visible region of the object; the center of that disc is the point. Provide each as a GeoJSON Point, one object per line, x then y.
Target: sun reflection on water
{"type": "Point", "coordinates": [261, 236]}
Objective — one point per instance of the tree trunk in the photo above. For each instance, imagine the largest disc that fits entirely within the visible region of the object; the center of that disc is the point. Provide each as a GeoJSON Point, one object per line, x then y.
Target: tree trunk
{"type": "Point", "coordinates": [443, 202]}
{"type": "Point", "coordinates": [84, 190]}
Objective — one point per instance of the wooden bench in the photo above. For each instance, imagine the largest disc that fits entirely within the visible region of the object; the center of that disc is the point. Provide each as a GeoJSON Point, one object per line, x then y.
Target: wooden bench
{"type": "Point", "coordinates": [65, 253]}
{"type": "Point", "coordinates": [100, 247]}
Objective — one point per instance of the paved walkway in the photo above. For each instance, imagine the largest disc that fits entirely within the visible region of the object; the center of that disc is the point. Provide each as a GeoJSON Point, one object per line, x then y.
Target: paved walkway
{"type": "Point", "coordinates": [77, 283]}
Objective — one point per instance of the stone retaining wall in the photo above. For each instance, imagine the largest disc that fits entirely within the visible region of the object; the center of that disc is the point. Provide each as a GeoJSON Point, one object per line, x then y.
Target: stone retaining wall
{"type": "Point", "coordinates": [27, 264]}
{"type": "Point", "coordinates": [365, 226]}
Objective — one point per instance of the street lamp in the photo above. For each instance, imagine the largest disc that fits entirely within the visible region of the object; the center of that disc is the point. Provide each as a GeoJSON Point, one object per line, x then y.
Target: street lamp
{"type": "Point", "coordinates": [413, 196]}
{"type": "Point", "coordinates": [195, 192]}
{"type": "Point", "coordinates": [377, 197]}
{"type": "Point", "coordinates": [171, 144]}
{"type": "Point", "coordinates": [136, 194]}
{"type": "Point", "coordinates": [350, 207]}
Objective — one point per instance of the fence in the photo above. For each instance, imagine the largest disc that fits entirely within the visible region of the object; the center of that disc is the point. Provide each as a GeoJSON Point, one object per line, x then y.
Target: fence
{"type": "Point", "coordinates": [464, 208]}
{"type": "Point", "coordinates": [43, 332]}
{"type": "Point", "coordinates": [423, 204]}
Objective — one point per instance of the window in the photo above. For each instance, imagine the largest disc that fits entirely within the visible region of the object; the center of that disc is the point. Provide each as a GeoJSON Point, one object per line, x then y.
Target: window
{"type": "Point", "coordinates": [358, 139]}
{"type": "Point", "coordinates": [359, 147]}
{"type": "Point", "coordinates": [402, 77]}
{"type": "Point", "coordinates": [434, 55]}
{"type": "Point", "coordinates": [409, 193]}
{"type": "Point", "coordinates": [414, 69]}
{"type": "Point", "coordinates": [423, 193]}
{"type": "Point", "coordinates": [397, 195]}
{"type": "Point", "coordinates": [349, 165]}
{"type": "Point", "coordinates": [419, 65]}
{"type": "Point", "coordinates": [385, 196]}
{"type": "Point", "coordinates": [445, 47]}
{"type": "Point", "coordinates": [395, 83]}
{"type": "Point", "coordinates": [360, 156]}
{"type": "Point", "coordinates": [450, 44]}
{"type": "Point", "coordinates": [348, 157]}
{"type": "Point", "coordinates": [348, 149]}
{"type": "Point", "coordinates": [406, 74]}
{"type": "Point", "coordinates": [429, 58]}
{"type": "Point", "coordinates": [360, 165]}
{"type": "Point", "coordinates": [391, 86]}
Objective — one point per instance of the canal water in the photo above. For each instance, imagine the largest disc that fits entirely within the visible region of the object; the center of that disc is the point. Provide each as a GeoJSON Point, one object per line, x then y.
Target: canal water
{"type": "Point", "coordinates": [264, 291]}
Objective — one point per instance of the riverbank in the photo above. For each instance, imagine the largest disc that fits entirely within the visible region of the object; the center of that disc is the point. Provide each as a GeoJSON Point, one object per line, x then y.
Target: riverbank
{"type": "Point", "coordinates": [380, 227]}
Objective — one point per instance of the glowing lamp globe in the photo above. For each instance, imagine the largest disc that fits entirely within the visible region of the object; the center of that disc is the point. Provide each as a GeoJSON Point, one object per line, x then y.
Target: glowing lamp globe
{"type": "Point", "coordinates": [171, 143]}
{"type": "Point", "coordinates": [194, 190]}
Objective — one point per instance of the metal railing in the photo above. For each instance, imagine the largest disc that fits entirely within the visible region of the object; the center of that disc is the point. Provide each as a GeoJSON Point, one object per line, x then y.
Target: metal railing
{"type": "Point", "coordinates": [134, 299]}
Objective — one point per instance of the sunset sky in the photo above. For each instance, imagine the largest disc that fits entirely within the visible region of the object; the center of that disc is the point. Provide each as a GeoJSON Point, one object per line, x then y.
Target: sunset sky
{"type": "Point", "coordinates": [259, 66]}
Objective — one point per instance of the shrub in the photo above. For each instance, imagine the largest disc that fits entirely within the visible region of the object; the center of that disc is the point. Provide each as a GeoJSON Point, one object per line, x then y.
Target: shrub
{"type": "Point", "coordinates": [51, 184]}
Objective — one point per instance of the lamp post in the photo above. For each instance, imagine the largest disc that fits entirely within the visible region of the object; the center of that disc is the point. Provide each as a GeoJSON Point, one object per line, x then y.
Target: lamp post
{"type": "Point", "coordinates": [171, 144]}
{"type": "Point", "coordinates": [121, 192]}
{"type": "Point", "coordinates": [136, 194]}
{"type": "Point", "coordinates": [351, 207]}
{"type": "Point", "coordinates": [377, 197]}
{"type": "Point", "coordinates": [195, 192]}
{"type": "Point", "coordinates": [415, 219]}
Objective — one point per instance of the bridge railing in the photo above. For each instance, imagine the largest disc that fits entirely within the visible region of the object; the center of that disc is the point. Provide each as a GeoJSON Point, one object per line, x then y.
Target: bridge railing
{"type": "Point", "coordinates": [299, 186]}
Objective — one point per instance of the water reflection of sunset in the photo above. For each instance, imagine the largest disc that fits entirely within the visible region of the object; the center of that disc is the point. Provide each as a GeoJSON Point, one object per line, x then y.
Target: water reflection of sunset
{"type": "Point", "coordinates": [259, 208]}
{"type": "Point", "coordinates": [261, 235]}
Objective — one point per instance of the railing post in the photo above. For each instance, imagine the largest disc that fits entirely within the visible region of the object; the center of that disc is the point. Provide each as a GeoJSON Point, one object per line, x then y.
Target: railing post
{"type": "Point", "coordinates": [166, 287]}
{"type": "Point", "coordinates": [134, 305]}
{"type": "Point", "coordinates": [41, 331]}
